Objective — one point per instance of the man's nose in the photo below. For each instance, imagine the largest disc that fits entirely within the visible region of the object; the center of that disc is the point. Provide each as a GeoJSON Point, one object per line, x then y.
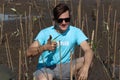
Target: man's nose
{"type": "Point", "coordinates": [63, 21]}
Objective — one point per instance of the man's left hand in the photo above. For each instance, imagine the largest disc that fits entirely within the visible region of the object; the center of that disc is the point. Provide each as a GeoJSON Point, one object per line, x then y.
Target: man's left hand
{"type": "Point", "coordinates": [83, 73]}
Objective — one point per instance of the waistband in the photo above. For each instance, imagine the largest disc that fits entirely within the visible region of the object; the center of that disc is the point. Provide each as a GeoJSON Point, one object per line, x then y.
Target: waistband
{"type": "Point", "coordinates": [43, 65]}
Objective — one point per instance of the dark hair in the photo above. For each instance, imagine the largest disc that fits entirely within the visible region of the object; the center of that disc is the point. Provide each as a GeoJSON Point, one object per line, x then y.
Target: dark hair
{"type": "Point", "coordinates": [59, 9]}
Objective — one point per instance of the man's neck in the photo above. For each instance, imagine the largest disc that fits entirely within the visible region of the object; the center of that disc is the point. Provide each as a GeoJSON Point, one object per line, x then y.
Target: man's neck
{"type": "Point", "coordinates": [59, 30]}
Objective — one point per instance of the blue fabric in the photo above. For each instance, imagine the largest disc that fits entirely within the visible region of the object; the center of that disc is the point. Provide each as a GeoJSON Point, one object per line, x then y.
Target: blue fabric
{"type": "Point", "coordinates": [66, 43]}
{"type": "Point", "coordinates": [41, 65]}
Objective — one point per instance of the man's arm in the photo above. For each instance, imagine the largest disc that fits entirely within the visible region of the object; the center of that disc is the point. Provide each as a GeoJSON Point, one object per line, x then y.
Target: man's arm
{"type": "Point", "coordinates": [88, 53]}
{"type": "Point", "coordinates": [87, 60]}
{"type": "Point", "coordinates": [34, 49]}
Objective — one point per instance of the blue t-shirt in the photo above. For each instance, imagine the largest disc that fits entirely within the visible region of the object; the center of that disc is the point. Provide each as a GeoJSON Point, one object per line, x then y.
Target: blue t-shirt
{"type": "Point", "coordinates": [66, 43]}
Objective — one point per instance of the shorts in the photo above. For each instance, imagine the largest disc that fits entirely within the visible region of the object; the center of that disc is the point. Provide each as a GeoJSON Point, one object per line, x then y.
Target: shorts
{"type": "Point", "coordinates": [57, 71]}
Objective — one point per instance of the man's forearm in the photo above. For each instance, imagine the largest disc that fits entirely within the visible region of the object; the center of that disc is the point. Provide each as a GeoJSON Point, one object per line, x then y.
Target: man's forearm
{"type": "Point", "coordinates": [38, 50]}
{"type": "Point", "coordinates": [32, 51]}
{"type": "Point", "coordinates": [88, 58]}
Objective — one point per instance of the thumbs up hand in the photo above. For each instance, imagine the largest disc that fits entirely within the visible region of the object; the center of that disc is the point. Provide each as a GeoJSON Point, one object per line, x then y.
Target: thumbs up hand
{"type": "Point", "coordinates": [51, 45]}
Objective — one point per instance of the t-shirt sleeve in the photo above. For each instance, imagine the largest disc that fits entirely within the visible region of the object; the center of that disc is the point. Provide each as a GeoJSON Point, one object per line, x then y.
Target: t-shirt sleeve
{"type": "Point", "coordinates": [80, 36]}
{"type": "Point", "coordinates": [40, 38]}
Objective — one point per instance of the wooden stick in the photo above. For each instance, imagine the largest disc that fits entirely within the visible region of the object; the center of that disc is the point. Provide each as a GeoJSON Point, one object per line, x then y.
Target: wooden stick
{"type": "Point", "coordinates": [79, 13]}
{"type": "Point", "coordinates": [9, 53]}
{"type": "Point", "coordinates": [92, 39]}
{"type": "Point", "coordinates": [30, 26]}
{"type": "Point", "coordinates": [55, 2]}
{"type": "Point", "coordinates": [108, 25]}
{"type": "Point", "coordinates": [119, 65]}
{"type": "Point", "coordinates": [23, 47]}
{"type": "Point", "coordinates": [114, 24]}
{"type": "Point", "coordinates": [20, 62]}
{"type": "Point", "coordinates": [86, 22]}
{"type": "Point", "coordinates": [83, 23]}
{"type": "Point", "coordinates": [103, 14]}
{"type": "Point", "coordinates": [1, 26]}
{"type": "Point", "coordinates": [49, 10]}
{"type": "Point", "coordinates": [119, 62]}
{"type": "Point", "coordinates": [71, 4]}
{"type": "Point", "coordinates": [60, 60]}
{"type": "Point", "coordinates": [26, 30]}
{"type": "Point", "coordinates": [115, 51]}
{"type": "Point", "coordinates": [114, 43]}
{"type": "Point", "coordinates": [40, 14]}
{"type": "Point", "coordinates": [71, 70]}
{"type": "Point", "coordinates": [97, 14]}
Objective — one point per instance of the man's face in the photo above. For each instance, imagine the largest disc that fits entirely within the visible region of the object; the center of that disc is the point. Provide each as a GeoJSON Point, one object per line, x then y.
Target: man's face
{"type": "Point", "coordinates": [63, 21]}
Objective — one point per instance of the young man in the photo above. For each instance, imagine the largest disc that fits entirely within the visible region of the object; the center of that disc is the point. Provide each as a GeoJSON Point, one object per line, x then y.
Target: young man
{"type": "Point", "coordinates": [55, 44]}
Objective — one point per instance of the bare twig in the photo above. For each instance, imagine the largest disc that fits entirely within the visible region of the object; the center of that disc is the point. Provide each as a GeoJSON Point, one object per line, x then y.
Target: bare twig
{"type": "Point", "coordinates": [29, 25]}
{"type": "Point", "coordinates": [60, 62]}
{"type": "Point", "coordinates": [79, 13]}
{"type": "Point", "coordinates": [114, 38]}
{"type": "Point", "coordinates": [71, 70]}
{"type": "Point", "coordinates": [20, 62]}
{"type": "Point", "coordinates": [114, 24]}
{"type": "Point", "coordinates": [86, 22]}
{"type": "Point", "coordinates": [1, 25]}
{"type": "Point", "coordinates": [71, 4]}
{"type": "Point", "coordinates": [40, 14]}
{"type": "Point", "coordinates": [55, 2]}
{"type": "Point", "coordinates": [49, 9]}
{"type": "Point", "coordinates": [92, 39]}
{"type": "Point", "coordinates": [10, 63]}
{"type": "Point", "coordinates": [108, 25]}
{"type": "Point", "coordinates": [23, 48]}
{"type": "Point", "coordinates": [26, 29]}
{"type": "Point", "coordinates": [103, 14]}
{"type": "Point", "coordinates": [97, 14]}
{"type": "Point", "coordinates": [115, 51]}
{"type": "Point", "coordinates": [7, 54]}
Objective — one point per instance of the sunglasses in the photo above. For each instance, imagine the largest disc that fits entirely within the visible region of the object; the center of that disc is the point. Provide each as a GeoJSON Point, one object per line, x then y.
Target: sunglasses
{"type": "Point", "coordinates": [60, 20]}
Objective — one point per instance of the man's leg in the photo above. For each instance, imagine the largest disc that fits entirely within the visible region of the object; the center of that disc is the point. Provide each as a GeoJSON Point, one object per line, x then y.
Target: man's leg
{"type": "Point", "coordinates": [43, 74]}
{"type": "Point", "coordinates": [65, 69]}
{"type": "Point", "coordinates": [77, 64]}
{"type": "Point", "coordinates": [44, 77]}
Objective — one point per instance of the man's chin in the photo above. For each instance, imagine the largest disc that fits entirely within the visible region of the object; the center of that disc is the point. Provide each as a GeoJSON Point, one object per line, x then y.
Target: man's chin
{"type": "Point", "coordinates": [63, 29]}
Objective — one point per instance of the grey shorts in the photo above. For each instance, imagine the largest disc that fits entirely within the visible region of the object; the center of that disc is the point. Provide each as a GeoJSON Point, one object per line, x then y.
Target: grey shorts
{"type": "Point", "coordinates": [58, 71]}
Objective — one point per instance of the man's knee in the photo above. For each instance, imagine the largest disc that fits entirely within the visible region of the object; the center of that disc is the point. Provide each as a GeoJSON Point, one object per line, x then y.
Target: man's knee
{"type": "Point", "coordinates": [43, 77]}
{"type": "Point", "coordinates": [80, 60]}
{"type": "Point", "coordinates": [78, 63]}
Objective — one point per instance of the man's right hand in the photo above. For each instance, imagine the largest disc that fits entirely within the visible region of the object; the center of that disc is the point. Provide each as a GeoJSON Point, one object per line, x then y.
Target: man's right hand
{"type": "Point", "coordinates": [51, 45]}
